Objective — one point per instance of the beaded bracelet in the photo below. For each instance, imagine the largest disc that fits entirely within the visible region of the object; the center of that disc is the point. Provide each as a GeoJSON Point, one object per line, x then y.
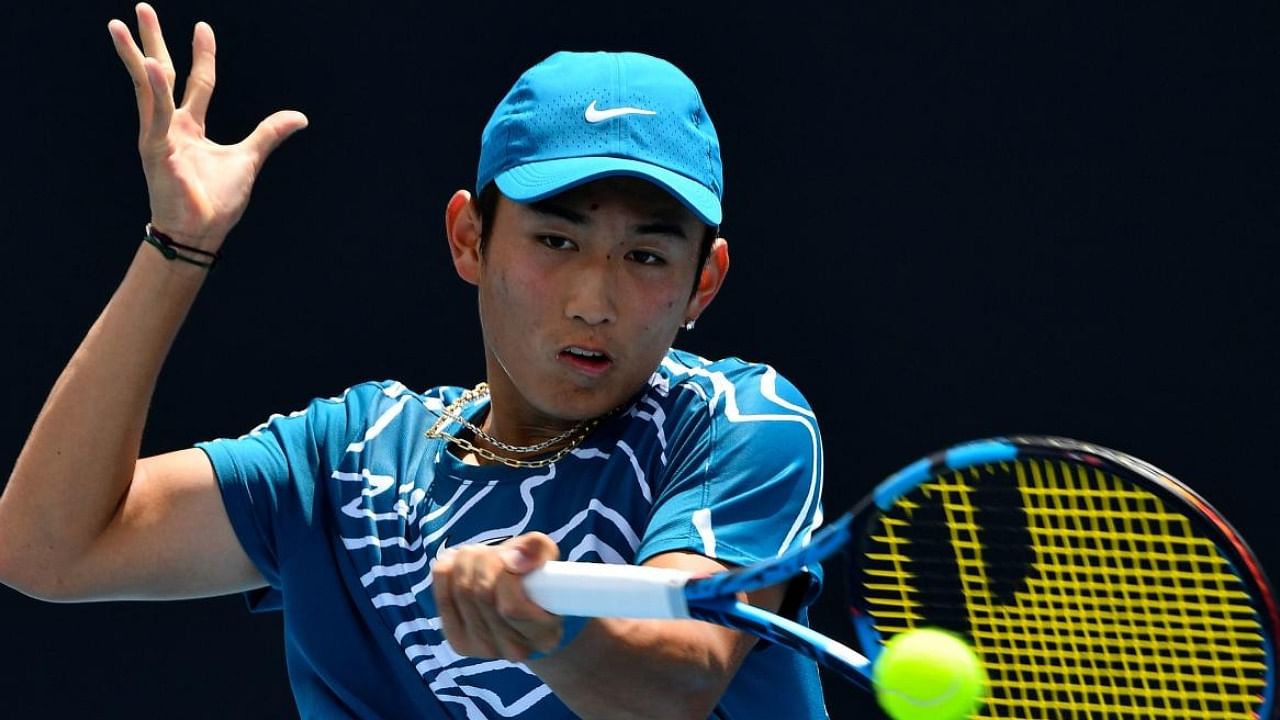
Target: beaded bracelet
{"type": "Point", "coordinates": [169, 248]}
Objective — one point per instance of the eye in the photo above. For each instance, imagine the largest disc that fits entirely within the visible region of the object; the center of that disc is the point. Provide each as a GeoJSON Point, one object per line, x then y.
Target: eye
{"type": "Point", "coordinates": [644, 257]}
{"type": "Point", "coordinates": [555, 242]}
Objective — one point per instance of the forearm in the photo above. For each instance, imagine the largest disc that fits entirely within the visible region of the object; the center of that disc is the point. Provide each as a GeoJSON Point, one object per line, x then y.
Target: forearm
{"type": "Point", "coordinates": [618, 669]}
{"type": "Point", "coordinates": [79, 459]}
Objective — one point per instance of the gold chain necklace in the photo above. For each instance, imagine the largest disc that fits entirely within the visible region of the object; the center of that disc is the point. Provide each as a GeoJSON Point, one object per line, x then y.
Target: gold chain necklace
{"type": "Point", "coordinates": [575, 435]}
{"type": "Point", "coordinates": [453, 412]}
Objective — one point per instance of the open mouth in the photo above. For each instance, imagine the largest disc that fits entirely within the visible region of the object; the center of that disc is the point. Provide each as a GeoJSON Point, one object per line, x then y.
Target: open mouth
{"type": "Point", "coordinates": [592, 361]}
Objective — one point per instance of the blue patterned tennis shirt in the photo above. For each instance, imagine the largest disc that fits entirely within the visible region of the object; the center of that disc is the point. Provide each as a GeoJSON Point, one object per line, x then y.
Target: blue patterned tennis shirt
{"type": "Point", "coordinates": [344, 505]}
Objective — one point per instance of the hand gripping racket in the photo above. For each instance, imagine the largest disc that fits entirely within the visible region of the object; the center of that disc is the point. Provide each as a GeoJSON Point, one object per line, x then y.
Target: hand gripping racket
{"type": "Point", "coordinates": [1090, 583]}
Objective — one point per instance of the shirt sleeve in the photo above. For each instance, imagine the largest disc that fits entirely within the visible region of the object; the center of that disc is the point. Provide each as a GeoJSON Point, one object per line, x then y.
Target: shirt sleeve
{"type": "Point", "coordinates": [268, 477]}
{"type": "Point", "coordinates": [744, 476]}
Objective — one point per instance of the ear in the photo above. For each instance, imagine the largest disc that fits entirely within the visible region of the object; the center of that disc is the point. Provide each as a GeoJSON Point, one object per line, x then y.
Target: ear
{"type": "Point", "coordinates": [714, 271]}
{"type": "Point", "coordinates": [462, 225]}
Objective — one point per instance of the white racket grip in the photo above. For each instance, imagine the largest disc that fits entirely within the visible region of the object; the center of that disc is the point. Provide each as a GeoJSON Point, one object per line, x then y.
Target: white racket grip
{"type": "Point", "coordinates": [585, 589]}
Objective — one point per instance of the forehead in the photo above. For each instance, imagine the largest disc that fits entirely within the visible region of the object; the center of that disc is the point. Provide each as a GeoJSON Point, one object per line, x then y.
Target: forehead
{"type": "Point", "coordinates": [628, 194]}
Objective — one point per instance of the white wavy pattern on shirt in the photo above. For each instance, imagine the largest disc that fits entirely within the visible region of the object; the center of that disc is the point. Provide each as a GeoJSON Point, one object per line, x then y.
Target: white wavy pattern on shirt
{"type": "Point", "coordinates": [658, 418]}
{"type": "Point", "coordinates": [641, 480]}
{"type": "Point", "coordinates": [381, 424]}
{"type": "Point", "coordinates": [393, 390]}
{"type": "Point", "coordinates": [723, 389]}
{"type": "Point", "coordinates": [379, 483]}
{"type": "Point", "coordinates": [605, 511]}
{"type": "Point", "coordinates": [446, 680]}
{"type": "Point", "coordinates": [440, 658]}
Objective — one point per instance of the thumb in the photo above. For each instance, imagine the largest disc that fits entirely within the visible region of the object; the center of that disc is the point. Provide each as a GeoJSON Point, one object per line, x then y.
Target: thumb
{"type": "Point", "coordinates": [273, 130]}
{"type": "Point", "coordinates": [525, 553]}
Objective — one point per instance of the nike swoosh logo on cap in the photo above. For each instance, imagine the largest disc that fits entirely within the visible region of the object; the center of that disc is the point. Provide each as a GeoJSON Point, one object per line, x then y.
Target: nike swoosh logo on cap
{"type": "Point", "coordinates": [594, 115]}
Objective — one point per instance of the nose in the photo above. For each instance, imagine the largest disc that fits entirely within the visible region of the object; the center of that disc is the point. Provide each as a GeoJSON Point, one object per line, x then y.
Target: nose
{"type": "Point", "coordinates": [590, 296]}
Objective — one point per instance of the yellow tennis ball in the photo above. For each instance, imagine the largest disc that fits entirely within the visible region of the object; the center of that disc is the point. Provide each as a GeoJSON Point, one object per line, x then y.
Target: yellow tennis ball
{"type": "Point", "coordinates": [928, 674]}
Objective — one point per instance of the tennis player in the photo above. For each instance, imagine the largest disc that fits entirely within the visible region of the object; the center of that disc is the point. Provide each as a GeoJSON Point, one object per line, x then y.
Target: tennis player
{"type": "Point", "coordinates": [392, 527]}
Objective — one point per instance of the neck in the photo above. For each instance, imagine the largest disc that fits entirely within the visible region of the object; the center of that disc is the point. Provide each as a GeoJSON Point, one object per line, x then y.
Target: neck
{"type": "Point", "coordinates": [519, 434]}
{"type": "Point", "coordinates": [478, 444]}
{"type": "Point", "coordinates": [513, 420]}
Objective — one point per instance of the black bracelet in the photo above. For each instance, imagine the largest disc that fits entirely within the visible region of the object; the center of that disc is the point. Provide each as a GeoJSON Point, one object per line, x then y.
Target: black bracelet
{"type": "Point", "coordinates": [169, 248]}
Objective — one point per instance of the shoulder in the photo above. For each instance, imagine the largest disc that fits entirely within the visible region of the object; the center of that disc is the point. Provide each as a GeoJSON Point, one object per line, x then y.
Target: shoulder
{"type": "Point", "coordinates": [381, 393]}
{"type": "Point", "coordinates": [361, 399]}
{"type": "Point", "coordinates": [365, 403]}
{"type": "Point", "coordinates": [728, 386]}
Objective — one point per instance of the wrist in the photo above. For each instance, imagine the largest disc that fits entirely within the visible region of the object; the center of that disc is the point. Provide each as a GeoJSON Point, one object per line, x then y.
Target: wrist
{"type": "Point", "coordinates": [211, 240]}
{"type": "Point", "coordinates": [570, 627]}
{"type": "Point", "coordinates": [181, 250]}
{"type": "Point", "coordinates": [170, 283]}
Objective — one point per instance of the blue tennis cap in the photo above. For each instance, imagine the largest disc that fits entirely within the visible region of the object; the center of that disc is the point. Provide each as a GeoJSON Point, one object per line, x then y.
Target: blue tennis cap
{"type": "Point", "coordinates": [578, 117]}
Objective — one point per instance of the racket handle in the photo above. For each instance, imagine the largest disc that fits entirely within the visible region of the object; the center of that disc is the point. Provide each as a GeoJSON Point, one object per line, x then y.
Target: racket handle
{"type": "Point", "coordinates": [585, 589]}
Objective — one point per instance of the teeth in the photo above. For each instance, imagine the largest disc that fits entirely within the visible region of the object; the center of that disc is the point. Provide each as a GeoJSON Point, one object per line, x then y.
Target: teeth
{"type": "Point", "coordinates": [584, 353]}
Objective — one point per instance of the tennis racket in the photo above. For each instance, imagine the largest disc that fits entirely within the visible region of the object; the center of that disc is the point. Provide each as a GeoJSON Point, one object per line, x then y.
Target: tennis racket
{"type": "Point", "coordinates": [1090, 583]}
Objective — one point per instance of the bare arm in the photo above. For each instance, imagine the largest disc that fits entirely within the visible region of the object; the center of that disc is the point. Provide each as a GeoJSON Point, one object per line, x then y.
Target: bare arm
{"type": "Point", "coordinates": [615, 669]}
{"type": "Point", "coordinates": [81, 517]}
{"type": "Point", "coordinates": [618, 669]}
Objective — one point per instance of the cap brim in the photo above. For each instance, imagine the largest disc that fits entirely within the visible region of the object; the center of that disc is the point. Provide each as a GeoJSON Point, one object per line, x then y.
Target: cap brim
{"type": "Point", "coordinates": [539, 180]}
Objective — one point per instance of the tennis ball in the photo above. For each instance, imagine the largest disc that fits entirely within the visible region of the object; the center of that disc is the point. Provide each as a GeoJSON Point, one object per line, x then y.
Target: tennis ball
{"type": "Point", "coordinates": [929, 674]}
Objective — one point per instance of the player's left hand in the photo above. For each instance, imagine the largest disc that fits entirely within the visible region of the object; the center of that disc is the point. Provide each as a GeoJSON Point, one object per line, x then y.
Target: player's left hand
{"type": "Point", "coordinates": [479, 591]}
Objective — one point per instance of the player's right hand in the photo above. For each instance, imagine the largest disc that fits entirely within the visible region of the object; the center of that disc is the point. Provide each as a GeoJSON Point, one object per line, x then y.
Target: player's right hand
{"type": "Point", "coordinates": [198, 188]}
{"type": "Point", "coordinates": [484, 611]}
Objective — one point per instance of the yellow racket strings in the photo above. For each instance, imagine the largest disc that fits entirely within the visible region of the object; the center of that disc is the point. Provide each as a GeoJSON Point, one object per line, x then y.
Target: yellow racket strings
{"type": "Point", "coordinates": [1124, 611]}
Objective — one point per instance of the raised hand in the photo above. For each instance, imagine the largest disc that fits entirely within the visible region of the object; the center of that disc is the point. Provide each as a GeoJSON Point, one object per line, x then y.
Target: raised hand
{"type": "Point", "coordinates": [198, 188]}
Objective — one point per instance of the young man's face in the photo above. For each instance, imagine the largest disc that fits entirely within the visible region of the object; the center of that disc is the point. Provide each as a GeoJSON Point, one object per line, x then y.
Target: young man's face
{"type": "Point", "coordinates": [582, 294]}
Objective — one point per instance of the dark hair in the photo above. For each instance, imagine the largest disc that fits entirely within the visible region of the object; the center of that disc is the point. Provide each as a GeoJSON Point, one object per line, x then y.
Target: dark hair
{"type": "Point", "coordinates": [487, 204]}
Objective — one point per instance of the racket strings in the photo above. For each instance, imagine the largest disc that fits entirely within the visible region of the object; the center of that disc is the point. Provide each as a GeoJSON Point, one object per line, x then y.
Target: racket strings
{"type": "Point", "coordinates": [1120, 609]}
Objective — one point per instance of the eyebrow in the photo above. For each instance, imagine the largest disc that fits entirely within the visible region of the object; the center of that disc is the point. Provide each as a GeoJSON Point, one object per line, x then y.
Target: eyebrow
{"type": "Point", "coordinates": [661, 227]}
{"type": "Point", "coordinates": [544, 207]}
{"type": "Point", "coordinates": [674, 230]}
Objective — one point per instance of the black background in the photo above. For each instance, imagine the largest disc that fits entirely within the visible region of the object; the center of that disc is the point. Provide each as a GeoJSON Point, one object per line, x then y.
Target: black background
{"type": "Point", "coordinates": [947, 222]}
